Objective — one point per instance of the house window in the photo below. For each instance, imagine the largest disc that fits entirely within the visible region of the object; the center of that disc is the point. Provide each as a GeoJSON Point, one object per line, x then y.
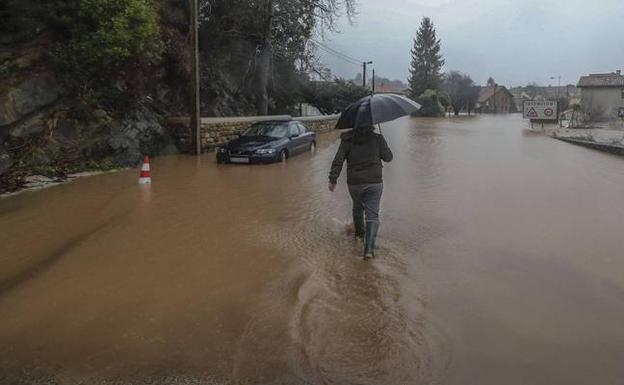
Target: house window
{"type": "Point", "coordinates": [622, 93]}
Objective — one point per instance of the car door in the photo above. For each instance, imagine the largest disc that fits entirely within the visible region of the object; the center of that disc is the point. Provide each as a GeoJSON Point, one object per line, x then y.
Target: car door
{"type": "Point", "coordinates": [307, 136]}
{"type": "Point", "coordinates": [295, 142]}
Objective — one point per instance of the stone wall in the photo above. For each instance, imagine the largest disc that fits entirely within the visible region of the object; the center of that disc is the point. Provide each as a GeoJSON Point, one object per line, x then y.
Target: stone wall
{"type": "Point", "coordinates": [319, 123]}
{"type": "Point", "coordinates": [218, 131]}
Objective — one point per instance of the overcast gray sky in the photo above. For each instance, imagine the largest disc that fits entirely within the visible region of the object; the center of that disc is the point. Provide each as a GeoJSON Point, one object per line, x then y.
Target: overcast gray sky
{"type": "Point", "coordinates": [514, 41]}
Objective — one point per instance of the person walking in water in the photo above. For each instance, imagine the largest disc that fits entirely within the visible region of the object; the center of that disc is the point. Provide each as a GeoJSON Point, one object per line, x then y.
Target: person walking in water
{"type": "Point", "coordinates": [364, 150]}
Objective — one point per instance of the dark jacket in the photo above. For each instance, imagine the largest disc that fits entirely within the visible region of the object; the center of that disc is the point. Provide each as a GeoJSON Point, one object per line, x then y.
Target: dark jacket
{"type": "Point", "coordinates": [363, 152]}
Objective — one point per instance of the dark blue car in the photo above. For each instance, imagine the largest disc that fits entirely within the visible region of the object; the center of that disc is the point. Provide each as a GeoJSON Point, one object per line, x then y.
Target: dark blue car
{"type": "Point", "coordinates": [265, 142]}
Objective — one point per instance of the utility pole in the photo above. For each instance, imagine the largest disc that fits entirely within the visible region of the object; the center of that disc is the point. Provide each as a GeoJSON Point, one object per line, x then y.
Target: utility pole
{"type": "Point", "coordinates": [373, 81]}
{"type": "Point", "coordinates": [195, 130]}
{"type": "Point", "coordinates": [558, 84]}
{"type": "Point", "coordinates": [364, 64]}
{"type": "Point", "coordinates": [558, 97]}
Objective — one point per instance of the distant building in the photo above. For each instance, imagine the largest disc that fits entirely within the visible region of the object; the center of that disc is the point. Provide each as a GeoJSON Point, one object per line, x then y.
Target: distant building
{"type": "Point", "coordinates": [534, 92]}
{"type": "Point", "coordinates": [495, 100]}
{"type": "Point", "coordinates": [390, 88]}
{"type": "Point", "coordinates": [306, 109]}
{"type": "Point", "coordinates": [602, 96]}
{"type": "Point", "coordinates": [519, 97]}
{"type": "Point", "coordinates": [382, 85]}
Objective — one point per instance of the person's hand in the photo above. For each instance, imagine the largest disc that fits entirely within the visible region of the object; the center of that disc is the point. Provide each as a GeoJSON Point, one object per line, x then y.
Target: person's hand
{"type": "Point", "coordinates": [331, 186]}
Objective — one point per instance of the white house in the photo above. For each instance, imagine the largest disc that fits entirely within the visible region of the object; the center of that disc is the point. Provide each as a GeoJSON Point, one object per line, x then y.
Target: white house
{"type": "Point", "coordinates": [602, 96]}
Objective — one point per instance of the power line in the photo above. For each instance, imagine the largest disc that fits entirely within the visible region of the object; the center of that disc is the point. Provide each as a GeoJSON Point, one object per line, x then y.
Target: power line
{"type": "Point", "coordinates": [338, 56]}
{"type": "Point", "coordinates": [312, 68]}
{"type": "Point", "coordinates": [320, 74]}
{"type": "Point", "coordinates": [337, 53]}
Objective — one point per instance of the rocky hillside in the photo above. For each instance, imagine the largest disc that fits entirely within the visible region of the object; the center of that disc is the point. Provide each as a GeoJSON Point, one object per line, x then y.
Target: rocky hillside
{"type": "Point", "coordinates": [52, 124]}
{"type": "Point", "coordinates": [87, 84]}
{"type": "Point", "coordinates": [78, 92]}
{"type": "Point", "coordinates": [46, 130]}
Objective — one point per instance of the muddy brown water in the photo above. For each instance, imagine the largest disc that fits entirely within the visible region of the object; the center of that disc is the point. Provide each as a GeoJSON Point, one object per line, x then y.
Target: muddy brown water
{"type": "Point", "coordinates": [500, 261]}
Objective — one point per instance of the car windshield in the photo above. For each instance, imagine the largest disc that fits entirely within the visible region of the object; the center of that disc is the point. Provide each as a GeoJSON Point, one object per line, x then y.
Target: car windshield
{"type": "Point", "coordinates": [273, 130]}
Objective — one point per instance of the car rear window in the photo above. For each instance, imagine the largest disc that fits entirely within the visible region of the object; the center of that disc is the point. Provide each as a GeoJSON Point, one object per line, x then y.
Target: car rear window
{"type": "Point", "coordinates": [275, 130]}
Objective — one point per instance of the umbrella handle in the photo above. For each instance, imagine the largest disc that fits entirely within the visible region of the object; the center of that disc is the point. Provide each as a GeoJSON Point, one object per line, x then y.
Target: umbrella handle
{"type": "Point", "coordinates": [379, 125]}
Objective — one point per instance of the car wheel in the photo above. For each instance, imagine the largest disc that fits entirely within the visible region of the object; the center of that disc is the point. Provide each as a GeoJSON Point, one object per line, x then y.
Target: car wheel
{"type": "Point", "coordinates": [313, 147]}
{"type": "Point", "coordinates": [283, 155]}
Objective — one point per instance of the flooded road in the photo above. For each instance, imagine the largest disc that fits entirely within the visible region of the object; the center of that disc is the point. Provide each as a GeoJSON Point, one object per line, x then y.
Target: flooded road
{"type": "Point", "coordinates": [500, 262]}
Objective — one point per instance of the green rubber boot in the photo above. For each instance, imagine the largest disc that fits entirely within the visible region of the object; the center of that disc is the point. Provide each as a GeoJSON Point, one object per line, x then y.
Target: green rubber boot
{"type": "Point", "coordinates": [371, 234]}
{"type": "Point", "coordinates": [358, 224]}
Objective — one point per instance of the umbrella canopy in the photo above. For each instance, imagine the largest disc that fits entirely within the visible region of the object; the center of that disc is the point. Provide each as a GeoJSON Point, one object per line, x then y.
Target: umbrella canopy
{"type": "Point", "coordinates": [375, 109]}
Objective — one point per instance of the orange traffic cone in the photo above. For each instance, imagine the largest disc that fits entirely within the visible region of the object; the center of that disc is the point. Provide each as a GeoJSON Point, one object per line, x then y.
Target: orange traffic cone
{"type": "Point", "coordinates": [144, 177]}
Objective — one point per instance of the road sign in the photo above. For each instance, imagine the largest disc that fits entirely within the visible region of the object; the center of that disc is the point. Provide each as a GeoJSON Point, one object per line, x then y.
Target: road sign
{"type": "Point", "coordinates": [531, 113]}
{"type": "Point", "coordinates": [540, 109]}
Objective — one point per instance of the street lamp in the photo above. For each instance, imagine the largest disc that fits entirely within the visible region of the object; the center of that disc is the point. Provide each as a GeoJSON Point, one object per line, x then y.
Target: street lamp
{"type": "Point", "coordinates": [558, 84]}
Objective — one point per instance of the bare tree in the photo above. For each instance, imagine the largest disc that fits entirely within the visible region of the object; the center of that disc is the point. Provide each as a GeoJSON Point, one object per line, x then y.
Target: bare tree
{"type": "Point", "coordinates": [460, 91]}
{"type": "Point", "coordinates": [267, 43]}
{"type": "Point", "coordinates": [280, 19]}
{"type": "Point", "coordinates": [472, 97]}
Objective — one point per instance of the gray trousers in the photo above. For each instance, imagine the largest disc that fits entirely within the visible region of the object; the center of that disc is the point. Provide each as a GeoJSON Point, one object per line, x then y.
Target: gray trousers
{"type": "Point", "coordinates": [366, 199]}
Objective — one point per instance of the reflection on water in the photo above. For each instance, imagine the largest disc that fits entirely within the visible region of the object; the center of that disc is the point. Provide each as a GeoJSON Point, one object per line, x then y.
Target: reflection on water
{"type": "Point", "coordinates": [499, 262]}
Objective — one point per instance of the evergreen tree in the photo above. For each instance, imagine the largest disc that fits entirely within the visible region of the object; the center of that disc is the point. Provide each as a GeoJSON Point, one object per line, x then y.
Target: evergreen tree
{"type": "Point", "coordinates": [427, 62]}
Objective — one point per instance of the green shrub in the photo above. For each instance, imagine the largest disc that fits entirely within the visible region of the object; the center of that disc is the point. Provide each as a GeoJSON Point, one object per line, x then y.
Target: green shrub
{"type": "Point", "coordinates": [431, 105]}
{"type": "Point", "coordinates": [104, 38]}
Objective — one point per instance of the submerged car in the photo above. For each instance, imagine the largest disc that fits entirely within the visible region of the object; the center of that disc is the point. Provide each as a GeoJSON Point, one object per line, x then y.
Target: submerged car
{"type": "Point", "coordinates": [270, 141]}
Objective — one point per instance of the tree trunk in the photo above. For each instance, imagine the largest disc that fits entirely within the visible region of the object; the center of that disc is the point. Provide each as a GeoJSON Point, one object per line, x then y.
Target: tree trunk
{"type": "Point", "coordinates": [195, 88]}
{"type": "Point", "coordinates": [263, 63]}
{"type": "Point", "coordinates": [263, 68]}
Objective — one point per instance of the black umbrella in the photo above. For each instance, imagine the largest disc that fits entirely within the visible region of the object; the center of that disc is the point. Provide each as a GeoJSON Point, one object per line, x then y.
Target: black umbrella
{"type": "Point", "coordinates": [375, 109]}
